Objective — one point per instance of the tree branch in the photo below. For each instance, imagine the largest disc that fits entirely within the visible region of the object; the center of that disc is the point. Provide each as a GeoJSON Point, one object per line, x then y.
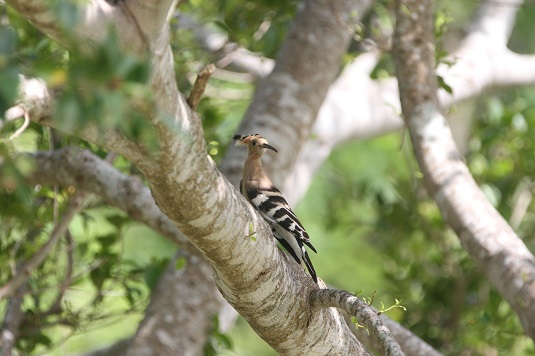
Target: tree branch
{"type": "Point", "coordinates": [66, 282]}
{"type": "Point", "coordinates": [199, 86]}
{"type": "Point", "coordinates": [409, 342]}
{"type": "Point", "coordinates": [13, 317]}
{"type": "Point", "coordinates": [358, 107]}
{"type": "Point", "coordinates": [37, 101]}
{"type": "Point", "coordinates": [179, 290]}
{"type": "Point", "coordinates": [327, 298]}
{"type": "Point", "coordinates": [287, 102]}
{"type": "Point", "coordinates": [87, 172]}
{"type": "Point", "coordinates": [230, 53]}
{"type": "Point", "coordinates": [493, 245]}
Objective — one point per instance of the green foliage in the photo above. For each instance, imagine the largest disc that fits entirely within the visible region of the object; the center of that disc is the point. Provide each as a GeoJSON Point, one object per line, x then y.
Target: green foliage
{"type": "Point", "coordinates": [396, 306]}
{"type": "Point", "coordinates": [522, 30]}
{"type": "Point", "coordinates": [153, 273]}
{"type": "Point", "coordinates": [37, 54]}
{"type": "Point", "coordinates": [442, 21]}
{"type": "Point", "coordinates": [9, 68]}
{"type": "Point", "coordinates": [108, 89]}
{"type": "Point", "coordinates": [501, 154]}
{"type": "Point", "coordinates": [257, 25]}
{"type": "Point", "coordinates": [218, 342]}
{"type": "Point", "coordinates": [16, 195]}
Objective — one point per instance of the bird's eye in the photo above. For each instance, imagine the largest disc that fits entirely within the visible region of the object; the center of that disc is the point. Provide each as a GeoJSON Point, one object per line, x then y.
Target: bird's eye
{"type": "Point", "coordinates": [254, 143]}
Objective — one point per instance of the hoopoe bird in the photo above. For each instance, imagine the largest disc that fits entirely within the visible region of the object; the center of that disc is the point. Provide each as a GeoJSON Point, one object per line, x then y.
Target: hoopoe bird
{"type": "Point", "coordinates": [268, 200]}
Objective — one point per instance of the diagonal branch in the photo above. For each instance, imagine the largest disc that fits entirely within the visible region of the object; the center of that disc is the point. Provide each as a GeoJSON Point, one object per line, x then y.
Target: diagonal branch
{"type": "Point", "coordinates": [199, 86]}
{"type": "Point", "coordinates": [87, 172]}
{"type": "Point", "coordinates": [358, 107]}
{"type": "Point", "coordinates": [37, 101]}
{"type": "Point", "coordinates": [486, 236]}
{"type": "Point", "coordinates": [327, 298]}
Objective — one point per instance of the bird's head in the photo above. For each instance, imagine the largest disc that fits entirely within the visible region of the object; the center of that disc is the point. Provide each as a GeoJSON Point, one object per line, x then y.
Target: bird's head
{"type": "Point", "coordinates": [254, 143]}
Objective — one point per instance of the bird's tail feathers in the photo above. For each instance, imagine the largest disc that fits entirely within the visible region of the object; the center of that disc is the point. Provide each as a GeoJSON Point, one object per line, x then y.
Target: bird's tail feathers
{"type": "Point", "coordinates": [310, 268]}
{"type": "Point", "coordinates": [304, 254]}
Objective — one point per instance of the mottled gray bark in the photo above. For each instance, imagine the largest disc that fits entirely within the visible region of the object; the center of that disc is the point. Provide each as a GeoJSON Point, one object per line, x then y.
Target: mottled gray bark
{"type": "Point", "coordinates": [286, 103]}
{"type": "Point", "coordinates": [485, 235]}
{"type": "Point", "coordinates": [332, 298]}
{"type": "Point", "coordinates": [193, 318]}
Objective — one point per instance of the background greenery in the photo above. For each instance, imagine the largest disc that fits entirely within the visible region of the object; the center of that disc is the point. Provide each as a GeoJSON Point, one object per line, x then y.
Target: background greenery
{"type": "Point", "coordinates": [376, 230]}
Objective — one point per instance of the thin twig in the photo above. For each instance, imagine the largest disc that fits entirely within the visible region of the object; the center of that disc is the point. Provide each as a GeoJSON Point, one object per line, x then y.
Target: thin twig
{"type": "Point", "coordinates": [56, 306]}
{"type": "Point", "coordinates": [24, 126]}
{"type": "Point", "coordinates": [199, 86]}
{"type": "Point", "coordinates": [51, 147]}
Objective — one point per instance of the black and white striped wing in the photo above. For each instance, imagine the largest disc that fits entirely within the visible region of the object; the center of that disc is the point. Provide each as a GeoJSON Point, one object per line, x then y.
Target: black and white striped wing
{"type": "Point", "coordinates": [285, 226]}
{"type": "Point", "coordinates": [275, 209]}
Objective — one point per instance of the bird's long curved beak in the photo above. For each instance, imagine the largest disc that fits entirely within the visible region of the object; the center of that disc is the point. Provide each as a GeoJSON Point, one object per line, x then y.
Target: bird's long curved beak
{"type": "Point", "coordinates": [265, 145]}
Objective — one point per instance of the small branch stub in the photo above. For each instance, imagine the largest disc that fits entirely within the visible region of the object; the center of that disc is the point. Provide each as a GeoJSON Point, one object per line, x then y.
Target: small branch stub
{"type": "Point", "coordinates": [199, 86]}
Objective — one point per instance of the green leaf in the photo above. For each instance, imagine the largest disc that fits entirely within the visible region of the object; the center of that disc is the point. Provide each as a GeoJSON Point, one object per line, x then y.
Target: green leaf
{"type": "Point", "coordinates": [42, 339]}
{"type": "Point", "coordinates": [180, 263]}
{"type": "Point", "coordinates": [133, 293]}
{"type": "Point", "coordinates": [442, 84]}
{"type": "Point", "coordinates": [98, 276]}
{"type": "Point", "coordinates": [9, 70]}
{"type": "Point", "coordinates": [153, 272]}
{"type": "Point", "coordinates": [106, 241]}
{"type": "Point", "coordinates": [252, 232]}
{"type": "Point", "coordinates": [118, 220]}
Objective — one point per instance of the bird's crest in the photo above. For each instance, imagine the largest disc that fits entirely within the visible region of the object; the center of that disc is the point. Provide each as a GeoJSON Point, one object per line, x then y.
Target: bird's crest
{"type": "Point", "coordinates": [252, 141]}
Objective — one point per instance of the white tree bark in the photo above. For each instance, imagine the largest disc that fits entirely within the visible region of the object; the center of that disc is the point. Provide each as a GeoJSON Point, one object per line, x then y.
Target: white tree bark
{"type": "Point", "coordinates": [343, 300]}
{"type": "Point", "coordinates": [184, 295]}
{"type": "Point", "coordinates": [252, 274]}
{"type": "Point", "coordinates": [487, 237]}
